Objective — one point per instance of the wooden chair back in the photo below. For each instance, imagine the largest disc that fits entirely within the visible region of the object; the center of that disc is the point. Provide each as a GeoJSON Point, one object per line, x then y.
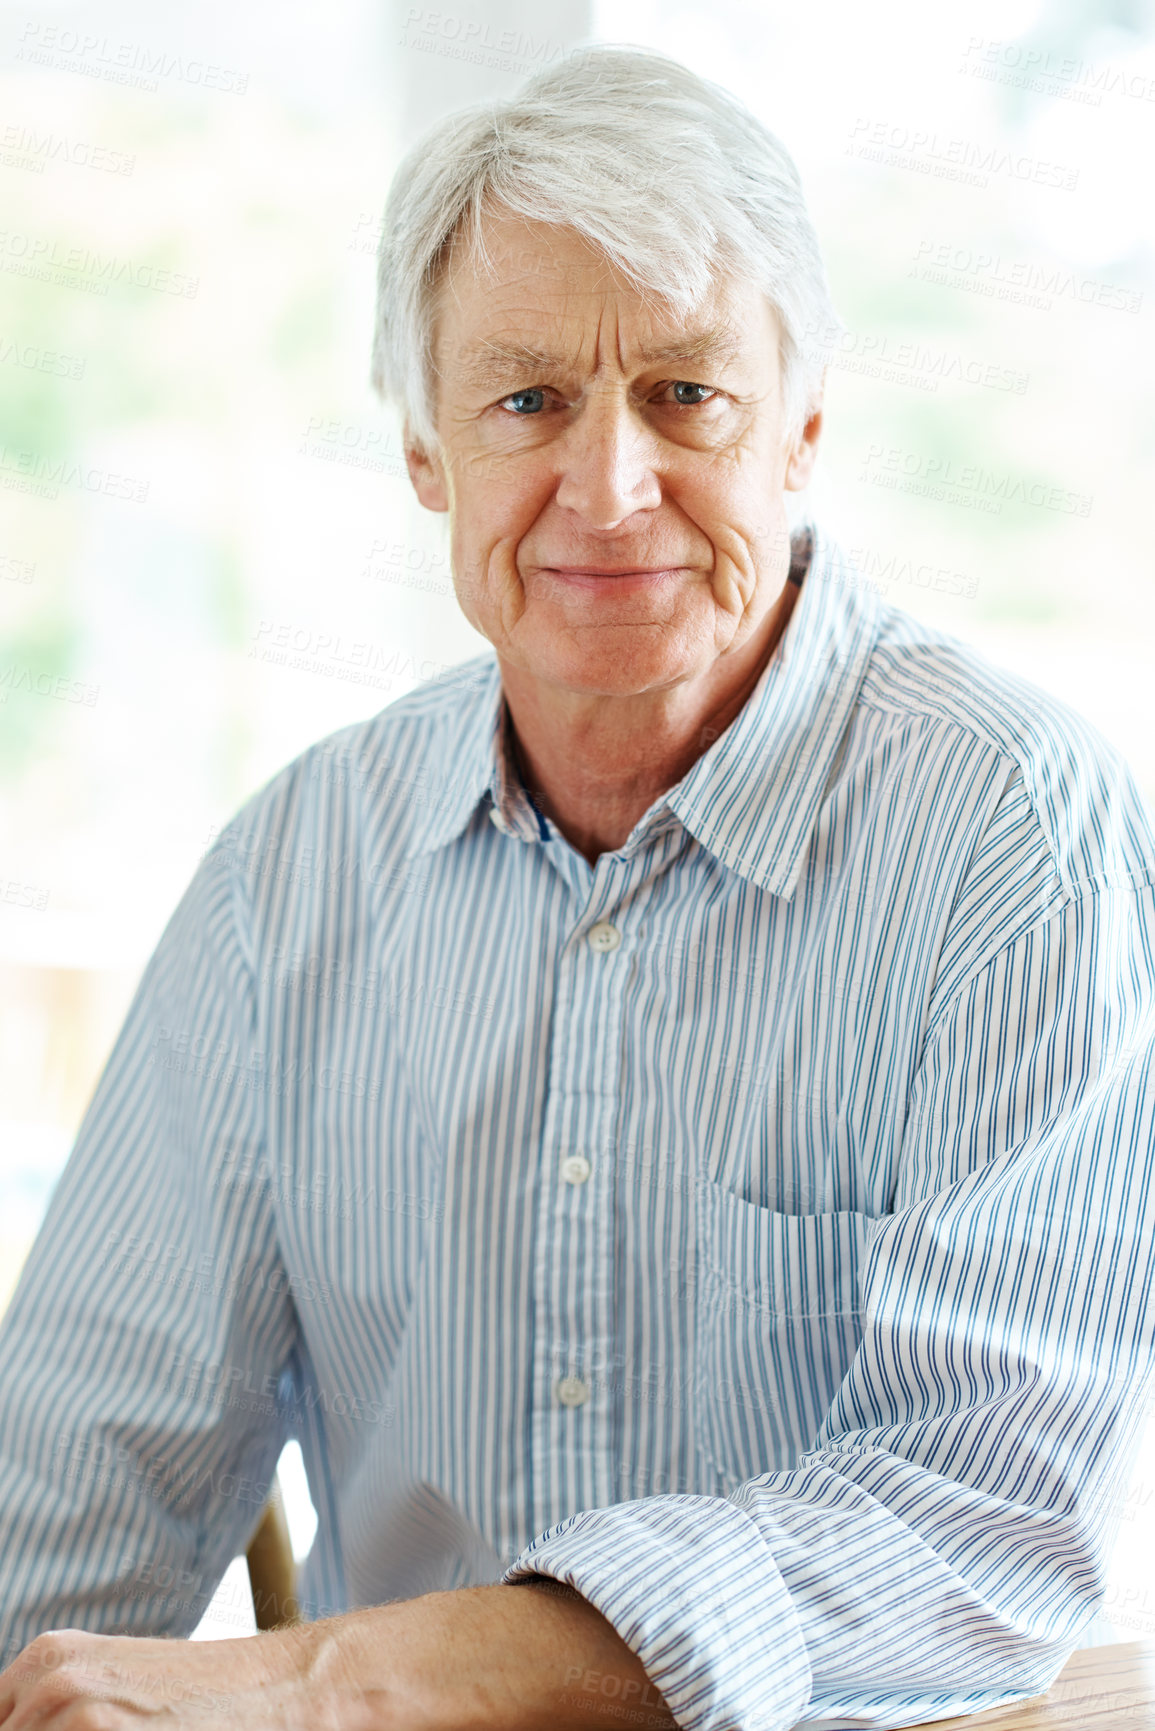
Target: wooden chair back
{"type": "Point", "coordinates": [272, 1569]}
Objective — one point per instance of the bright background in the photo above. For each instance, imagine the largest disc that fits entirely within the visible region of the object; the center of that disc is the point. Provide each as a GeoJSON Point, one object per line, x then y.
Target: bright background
{"type": "Point", "coordinates": [1006, 314]}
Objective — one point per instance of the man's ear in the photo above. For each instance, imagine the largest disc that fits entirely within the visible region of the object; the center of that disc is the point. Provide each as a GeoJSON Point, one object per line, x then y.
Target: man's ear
{"type": "Point", "coordinates": [800, 464]}
{"type": "Point", "coordinates": [426, 473]}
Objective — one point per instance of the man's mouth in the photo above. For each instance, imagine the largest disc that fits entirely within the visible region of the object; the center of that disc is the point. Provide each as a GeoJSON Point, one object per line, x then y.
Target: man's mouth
{"type": "Point", "coordinates": [616, 577]}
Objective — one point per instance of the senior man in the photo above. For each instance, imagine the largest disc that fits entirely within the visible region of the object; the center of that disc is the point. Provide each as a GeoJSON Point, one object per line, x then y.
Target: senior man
{"type": "Point", "coordinates": [661, 1113]}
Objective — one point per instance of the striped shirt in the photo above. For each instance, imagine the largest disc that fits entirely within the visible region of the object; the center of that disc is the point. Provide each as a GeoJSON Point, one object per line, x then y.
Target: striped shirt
{"type": "Point", "coordinates": [753, 1229]}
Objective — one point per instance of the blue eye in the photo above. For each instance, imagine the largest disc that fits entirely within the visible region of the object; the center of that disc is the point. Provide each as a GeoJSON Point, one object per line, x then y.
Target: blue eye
{"type": "Point", "coordinates": [525, 402]}
{"type": "Point", "coordinates": [680, 385]}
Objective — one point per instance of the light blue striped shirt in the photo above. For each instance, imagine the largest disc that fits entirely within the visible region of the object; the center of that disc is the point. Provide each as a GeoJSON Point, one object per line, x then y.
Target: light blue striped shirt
{"type": "Point", "coordinates": [753, 1230]}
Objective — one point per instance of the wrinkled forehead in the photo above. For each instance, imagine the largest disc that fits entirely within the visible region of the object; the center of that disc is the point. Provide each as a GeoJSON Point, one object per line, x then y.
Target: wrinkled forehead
{"type": "Point", "coordinates": [511, 287]}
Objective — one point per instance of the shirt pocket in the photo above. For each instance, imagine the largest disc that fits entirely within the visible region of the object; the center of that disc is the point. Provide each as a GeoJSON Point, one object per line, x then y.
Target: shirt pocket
{"type": "Point", "coordinates": [778, 1322]}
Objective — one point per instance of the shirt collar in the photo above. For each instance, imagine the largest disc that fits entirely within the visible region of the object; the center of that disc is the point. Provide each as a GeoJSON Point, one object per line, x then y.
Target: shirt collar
{"type": "Point", "coordinates": [753, 798]}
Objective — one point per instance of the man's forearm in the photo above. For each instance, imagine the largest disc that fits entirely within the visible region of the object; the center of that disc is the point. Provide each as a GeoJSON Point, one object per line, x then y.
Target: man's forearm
{"type": "Point", "coordinates": [519, 1657]}
{"type": "Point", "coordinates": [530, 1656]}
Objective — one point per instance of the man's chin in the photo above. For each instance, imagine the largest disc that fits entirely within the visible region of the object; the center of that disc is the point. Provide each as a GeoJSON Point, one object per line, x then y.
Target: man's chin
{"type": "Point", "coordinates": [627, 669]}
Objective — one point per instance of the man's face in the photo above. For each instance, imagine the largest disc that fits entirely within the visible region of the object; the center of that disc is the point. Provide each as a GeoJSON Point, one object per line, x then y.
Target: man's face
{"type": "Point", "coordinates": [614, 475]}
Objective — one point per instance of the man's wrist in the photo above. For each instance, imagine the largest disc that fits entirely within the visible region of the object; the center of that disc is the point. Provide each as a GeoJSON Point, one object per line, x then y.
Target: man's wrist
{"type": "Point", "coordinates": [603, 1682]}
{"type": "Point", "coordinates": [477, 1658]}
{"type": "Point", "coordinates": [425, 1664]}
{"type": "Point", "coordinates": [338, 1689]}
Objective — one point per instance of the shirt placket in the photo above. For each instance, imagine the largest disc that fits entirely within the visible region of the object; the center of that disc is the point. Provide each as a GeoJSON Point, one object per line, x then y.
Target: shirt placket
{"type": "Point", "coordinates": [577, 1345]}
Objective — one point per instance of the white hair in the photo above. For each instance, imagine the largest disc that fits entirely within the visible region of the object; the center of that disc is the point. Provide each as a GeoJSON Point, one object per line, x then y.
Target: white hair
{"type": "Point", "coordinates": [668, 175]}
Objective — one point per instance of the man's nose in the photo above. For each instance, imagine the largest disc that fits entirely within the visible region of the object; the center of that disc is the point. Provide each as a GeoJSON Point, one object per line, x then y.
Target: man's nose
{"type": "Point", "coordinates": [608, 464]}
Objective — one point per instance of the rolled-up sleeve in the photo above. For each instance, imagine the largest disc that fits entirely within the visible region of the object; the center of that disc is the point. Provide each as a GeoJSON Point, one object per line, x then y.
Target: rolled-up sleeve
{"type": "Point", "coordinates": [943, 1544]}
{"type": "Point", "coordinates": [142, 1355]}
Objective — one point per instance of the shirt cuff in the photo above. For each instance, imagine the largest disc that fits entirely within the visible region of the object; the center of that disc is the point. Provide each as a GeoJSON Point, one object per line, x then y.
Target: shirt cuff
{"type": "Point", "coordinates": [689, 1585]}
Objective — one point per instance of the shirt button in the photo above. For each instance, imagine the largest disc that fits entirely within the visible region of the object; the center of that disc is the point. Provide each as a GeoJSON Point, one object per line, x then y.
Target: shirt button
{"type": "Point", "coordinates": [603, 937]}
{"type": "Point", "coordinates": [572, 1391]}
{"type": "Point", "coordinates": [575, 1169]}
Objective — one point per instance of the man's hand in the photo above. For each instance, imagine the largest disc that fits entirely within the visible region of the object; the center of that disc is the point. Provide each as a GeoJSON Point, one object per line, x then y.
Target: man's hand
{"type": "Point", "coordinates": [520, 1657]}
{"type": "Point", "coordinates": [70, 1678]}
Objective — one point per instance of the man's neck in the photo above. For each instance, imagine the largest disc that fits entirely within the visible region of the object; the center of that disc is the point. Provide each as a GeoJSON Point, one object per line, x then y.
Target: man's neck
{"type": "Point", "coordinates": [596, 769]}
